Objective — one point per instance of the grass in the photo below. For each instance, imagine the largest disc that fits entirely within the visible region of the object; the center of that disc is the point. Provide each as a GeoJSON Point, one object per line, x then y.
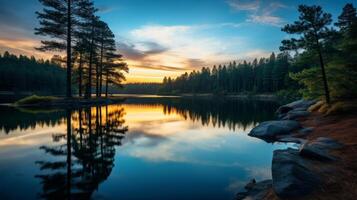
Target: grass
{"type": "Point", "coordinates": [339, 107]}
{"type": "Point", "coordinates": [34, 99]}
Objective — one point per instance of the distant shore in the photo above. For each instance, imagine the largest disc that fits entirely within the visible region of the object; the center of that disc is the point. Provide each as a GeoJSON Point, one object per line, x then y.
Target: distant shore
{"type": "Point", "coordinates": [62, 102]}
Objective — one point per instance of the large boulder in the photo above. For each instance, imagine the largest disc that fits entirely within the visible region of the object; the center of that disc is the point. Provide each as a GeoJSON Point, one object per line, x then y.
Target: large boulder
{"type": "Point", "coordinates": [319, 149]}
{"type": "Point", "coordinates": [292, 174]}
{"type": "Point", "coordinates": [300, 105]}
{"type": "Point", "coordinates": [295, 114]}
{"type": "Point", "coordinates": [255, 190]}
{"type": "Point", "coordinates": [270, 130]}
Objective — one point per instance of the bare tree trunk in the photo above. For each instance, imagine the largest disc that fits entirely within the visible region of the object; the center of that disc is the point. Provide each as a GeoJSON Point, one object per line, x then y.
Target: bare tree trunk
{"type": "Point", "coordinates": [80, 69]}
{"type": "Point", "coordinates": [69, 53]}
{"type": "Point", "coordinates": [89, 83]}
{"type": "Point", "coordinates": [324, 79]}
{"type": "Point", "coordinates": [101, 81]}
{"type": "Point", "coordinates": [106, 84]}
{"type": "Point", "coordinates": [101, 67]}
{"type": "Point", "coordinates": [97, 80]}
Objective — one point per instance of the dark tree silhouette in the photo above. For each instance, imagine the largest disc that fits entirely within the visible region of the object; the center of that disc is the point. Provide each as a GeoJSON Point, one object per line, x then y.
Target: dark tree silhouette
{"type": "Point", "coordinates": [347, 18]}
{"type": "Point", "coordinates": [89, 148]}
{"type": "Point", "coordinates": [57, 21]}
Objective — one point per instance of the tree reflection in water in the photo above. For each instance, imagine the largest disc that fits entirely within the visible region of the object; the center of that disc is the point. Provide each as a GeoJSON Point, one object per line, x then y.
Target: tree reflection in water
{"type": "Point", "coordinates": [83, 157]}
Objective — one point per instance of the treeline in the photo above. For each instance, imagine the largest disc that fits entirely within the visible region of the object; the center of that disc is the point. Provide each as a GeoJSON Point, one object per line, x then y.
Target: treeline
{"type": "Point", "coordinates": [321, 61]}
{"type": "Point", "coordinates": [24, 74]}
{"type": "Point", "coordinates": [92, 61]}
{"type": "Point", "coordinates": [263, 76]}
{"type": "Point", "coordinates": [138, 88]}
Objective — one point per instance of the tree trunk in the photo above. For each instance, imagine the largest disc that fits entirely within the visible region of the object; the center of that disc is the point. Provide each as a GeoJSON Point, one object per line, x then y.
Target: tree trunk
{"type": "Point", "coordinates": [101, 67]}
{"type": "Point", "coordinates": [100, 82]}
{"type": "Point", "coordinates": [324, 79]}
{"type": "Point", "coordinates": [106, 84]}
{"type": "Point", "coordinates": [69, 56]}
{"type": "Point", "coordinates": [80, 70]}
{"type": "Point", "coordinates": [97, 80]}
{"type": "Point", "coordinates": [89, 82]}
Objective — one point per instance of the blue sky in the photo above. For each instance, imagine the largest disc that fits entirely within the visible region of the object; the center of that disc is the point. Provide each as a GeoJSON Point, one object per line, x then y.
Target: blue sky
{"type": "Point", "coordinates": [166, 38]}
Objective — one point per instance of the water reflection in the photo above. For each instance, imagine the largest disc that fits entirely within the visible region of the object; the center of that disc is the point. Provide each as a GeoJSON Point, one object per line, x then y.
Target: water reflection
{"type": "Point", "coordinates": [157, 145]}
{"type": "Point", "coordinates": [217, 112]}
{"type": "Point", "coordinates": [84, 156]}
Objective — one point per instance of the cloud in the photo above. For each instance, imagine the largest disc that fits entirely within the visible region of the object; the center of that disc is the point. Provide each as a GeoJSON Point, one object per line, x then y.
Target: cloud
{"type": "Point", "coordinates": [106, 9]}
{"type": "Point", "coordinates": [24, 46]}
{"type": "Point", "coordinates": [156, 50]}
{"type": "Point", "coordinates": [139, 50]}
{"type": "Point", "coordinates": [259, 14]}
{"type": "Point", "coordinates": [240, 5]}
{"type": "Point", "coordinates": [161, 67]}
{"type": "Point", "coordinates": [266, 19]}
{"type": "Point", "coordinates": [176, 48]}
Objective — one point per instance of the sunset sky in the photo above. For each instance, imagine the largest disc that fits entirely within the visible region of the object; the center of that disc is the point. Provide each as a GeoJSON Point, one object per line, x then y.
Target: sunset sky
{"type": "Point", "coordinates": [166, 38]}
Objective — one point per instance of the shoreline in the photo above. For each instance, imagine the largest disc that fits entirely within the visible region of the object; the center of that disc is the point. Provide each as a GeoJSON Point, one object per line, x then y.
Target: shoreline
{"type": "Point", "coordinates": [67, 103]}
{"type": "Point", "coordinates": [323, 167]}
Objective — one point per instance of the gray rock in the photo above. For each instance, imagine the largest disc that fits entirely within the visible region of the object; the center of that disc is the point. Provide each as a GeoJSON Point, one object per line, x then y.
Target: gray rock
{"type": "Point", "coordinates": [269, 130]}
{"type": "Point", "coordinates": [255, 190]}
{"type": "Point", "coordinates": [292, 174]}
{"type": "Point", "coordinates": [291, 140]}
{"type": "Point", "coordinates": [305, 131]}
{"type": "Point", "coordinates": [319, 149]}
{"type": "Point", "coordinates": [295, 114]}
{"type": "Point", "coordinates": [300, 105]}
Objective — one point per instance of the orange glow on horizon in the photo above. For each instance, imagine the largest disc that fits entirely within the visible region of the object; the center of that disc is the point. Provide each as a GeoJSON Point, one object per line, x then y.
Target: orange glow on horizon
{"type": "Point", "coordinates": [138, 72]}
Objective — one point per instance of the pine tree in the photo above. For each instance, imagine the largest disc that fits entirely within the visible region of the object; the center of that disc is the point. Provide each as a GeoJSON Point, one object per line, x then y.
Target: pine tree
{"type": "Point", "coordinates": [57, 21]}
{"type": "Point", "coordinates": [347, 18]}
{"type": "Point", "coordinates": [313, 27]}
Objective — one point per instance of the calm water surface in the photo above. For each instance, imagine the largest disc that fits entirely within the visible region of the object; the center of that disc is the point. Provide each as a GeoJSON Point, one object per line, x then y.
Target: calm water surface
{"type": "Point", "coordinates": [145, 148]}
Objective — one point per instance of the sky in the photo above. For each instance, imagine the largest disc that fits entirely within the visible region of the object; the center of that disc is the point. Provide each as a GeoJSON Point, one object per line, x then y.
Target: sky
{"type": "Point", "coordinates": [169, 37]}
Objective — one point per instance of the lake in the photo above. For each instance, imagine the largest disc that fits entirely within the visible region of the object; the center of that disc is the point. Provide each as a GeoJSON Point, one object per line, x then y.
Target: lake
{"type": "Point", "coordinates": [145, 148]}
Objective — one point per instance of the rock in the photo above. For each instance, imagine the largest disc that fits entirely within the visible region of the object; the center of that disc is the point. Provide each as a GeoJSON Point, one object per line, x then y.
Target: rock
{"type": "Point", "coordinates": [269, 130]}
{"type": "Point", "coordinates": [292, 174]}
{"type": "Point", "coordinates": [300, 105]}
{"type": "Point", "coordinates": [319, 149]}
{"type": "Point", "coordinates": [250, 185]}
{"type": "Point", "coordinates": [255, 190]}
{"type": "Point", "coordinates": [291, 140]}
{"type": "Point", "coordinates": [305, 131]}
{"type": "Point", "coordinates": [294, 114]}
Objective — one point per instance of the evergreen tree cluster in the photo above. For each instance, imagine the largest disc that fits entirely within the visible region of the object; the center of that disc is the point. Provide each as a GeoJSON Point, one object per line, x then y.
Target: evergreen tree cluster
{"type": "Point", "coordinates": [91, 58]}
{"type": "Point", "coordinates": [21, 73]}
{"type": "Point", "coordinates": [264, 76]}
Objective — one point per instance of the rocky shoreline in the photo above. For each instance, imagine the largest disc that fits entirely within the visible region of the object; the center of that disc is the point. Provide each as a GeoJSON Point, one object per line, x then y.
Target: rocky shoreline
{"type": "Point", "coordinates": [295, 172]}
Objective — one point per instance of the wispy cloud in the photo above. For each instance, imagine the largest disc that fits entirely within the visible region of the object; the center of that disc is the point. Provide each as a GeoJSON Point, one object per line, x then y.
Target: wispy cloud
{"type": "Point", "coordinates": [180, 47]}
{"type": "Point", "coordinates": [267, 19]}
{"type": "Point", "coordinates": [259, 13]}
{"type": "Point", "coordinates": [172, 50]}
{"type": "Point", "coordinates": [161, 67]}
{"type": "Point", "coordinates": [244, 5]}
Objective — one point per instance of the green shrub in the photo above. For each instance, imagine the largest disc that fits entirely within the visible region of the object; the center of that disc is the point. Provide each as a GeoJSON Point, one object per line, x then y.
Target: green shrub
{"type": "Point", "coordinates": [342, 82]}
{"type": "Point", "coordinates": [286, 96]}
